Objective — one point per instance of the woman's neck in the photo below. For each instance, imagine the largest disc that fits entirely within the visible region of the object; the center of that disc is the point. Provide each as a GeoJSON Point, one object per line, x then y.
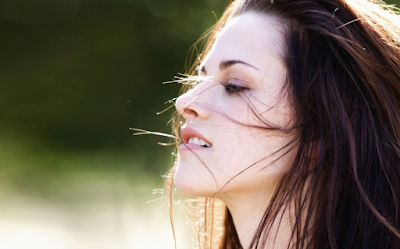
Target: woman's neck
{"type": "Point", "coordinates": [247, 214]}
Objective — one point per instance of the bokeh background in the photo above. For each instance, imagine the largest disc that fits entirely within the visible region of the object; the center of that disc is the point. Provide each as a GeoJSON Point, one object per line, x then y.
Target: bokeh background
{"type": "Point", "coordinates": [75, 75]}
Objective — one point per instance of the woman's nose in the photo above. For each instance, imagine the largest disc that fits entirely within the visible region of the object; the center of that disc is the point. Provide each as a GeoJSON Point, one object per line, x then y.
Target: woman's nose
{"type": "Point", "coordinates": [193, 104]}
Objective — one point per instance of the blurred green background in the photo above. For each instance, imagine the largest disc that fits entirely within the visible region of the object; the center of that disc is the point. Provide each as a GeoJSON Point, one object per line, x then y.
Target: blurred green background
{"type": "Point", "coordinates": [75, 76]}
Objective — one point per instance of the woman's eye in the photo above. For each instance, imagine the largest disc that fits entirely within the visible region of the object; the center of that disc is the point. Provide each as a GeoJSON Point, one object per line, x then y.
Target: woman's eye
{"type": "Point", "coordinates": [231, 88]}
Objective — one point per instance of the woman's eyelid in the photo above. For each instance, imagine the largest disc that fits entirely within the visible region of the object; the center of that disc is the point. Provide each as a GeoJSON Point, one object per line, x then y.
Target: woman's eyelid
{"type": "Point", "coordinates": [226, 73]}
{"type": "Point", "coordinates": [238, 82]}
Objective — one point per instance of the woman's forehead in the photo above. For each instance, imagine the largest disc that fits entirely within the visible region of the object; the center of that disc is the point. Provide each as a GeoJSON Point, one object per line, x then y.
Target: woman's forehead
{"type": "Point", "coordinates": [253, 37]}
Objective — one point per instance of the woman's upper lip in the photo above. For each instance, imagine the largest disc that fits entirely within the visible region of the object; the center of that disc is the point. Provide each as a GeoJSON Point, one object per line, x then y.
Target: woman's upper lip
{"type": "Point", "coordinates": [187, 133]}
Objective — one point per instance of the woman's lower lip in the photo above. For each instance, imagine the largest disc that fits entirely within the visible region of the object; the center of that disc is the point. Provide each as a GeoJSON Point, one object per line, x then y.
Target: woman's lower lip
{"type": "Point", "coordinates": [184, 147]}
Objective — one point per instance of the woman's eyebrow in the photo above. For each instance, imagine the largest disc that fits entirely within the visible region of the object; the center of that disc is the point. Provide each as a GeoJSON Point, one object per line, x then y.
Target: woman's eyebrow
{"type": "Point", "coordinates": [224, 64]}
{"type": "Point", "coordinates": [227, 63]}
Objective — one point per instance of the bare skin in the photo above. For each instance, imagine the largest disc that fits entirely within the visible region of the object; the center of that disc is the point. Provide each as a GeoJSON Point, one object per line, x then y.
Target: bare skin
{"type": "Point", "coordinates": [239, 164]}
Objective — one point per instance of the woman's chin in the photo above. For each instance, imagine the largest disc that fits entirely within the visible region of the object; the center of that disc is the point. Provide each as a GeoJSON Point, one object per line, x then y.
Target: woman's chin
{"type": "Point", "coordinates": [188, 186]}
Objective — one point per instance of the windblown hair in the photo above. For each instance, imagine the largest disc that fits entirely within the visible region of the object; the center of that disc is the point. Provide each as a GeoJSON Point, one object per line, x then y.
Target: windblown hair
{"type": "Point", "coordinates": [343, 79]}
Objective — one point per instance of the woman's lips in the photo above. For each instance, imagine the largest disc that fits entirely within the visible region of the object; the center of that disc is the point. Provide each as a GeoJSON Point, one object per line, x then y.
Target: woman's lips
{"type": "Point", "coordinates": [193, 139]}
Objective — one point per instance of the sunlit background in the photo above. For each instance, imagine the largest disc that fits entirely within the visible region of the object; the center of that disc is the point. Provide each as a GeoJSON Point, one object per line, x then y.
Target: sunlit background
{"type": "Point", "coordinates": [75, 75]}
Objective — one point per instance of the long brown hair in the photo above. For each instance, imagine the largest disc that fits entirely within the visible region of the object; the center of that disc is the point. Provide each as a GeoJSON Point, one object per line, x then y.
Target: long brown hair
{"type": "Point", "coordinates": [343, 78]}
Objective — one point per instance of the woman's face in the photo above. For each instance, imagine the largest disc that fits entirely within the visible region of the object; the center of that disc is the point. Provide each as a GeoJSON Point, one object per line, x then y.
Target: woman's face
{"type": "Point", "coordinates": [242, 88]}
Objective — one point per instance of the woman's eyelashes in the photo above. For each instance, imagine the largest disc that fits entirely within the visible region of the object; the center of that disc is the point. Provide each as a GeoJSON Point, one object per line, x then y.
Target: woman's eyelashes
{"type": "Point", "coordinates": [231, 88]}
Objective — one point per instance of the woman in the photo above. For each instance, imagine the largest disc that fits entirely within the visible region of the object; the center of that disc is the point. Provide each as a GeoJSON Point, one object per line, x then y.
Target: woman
{"type": "Point", "coordinates": [290, 136]}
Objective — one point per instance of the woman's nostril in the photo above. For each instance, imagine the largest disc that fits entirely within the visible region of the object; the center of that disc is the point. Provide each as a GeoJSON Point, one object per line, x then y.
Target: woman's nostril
{"type": "Point", "coordinates": [189, 112]}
